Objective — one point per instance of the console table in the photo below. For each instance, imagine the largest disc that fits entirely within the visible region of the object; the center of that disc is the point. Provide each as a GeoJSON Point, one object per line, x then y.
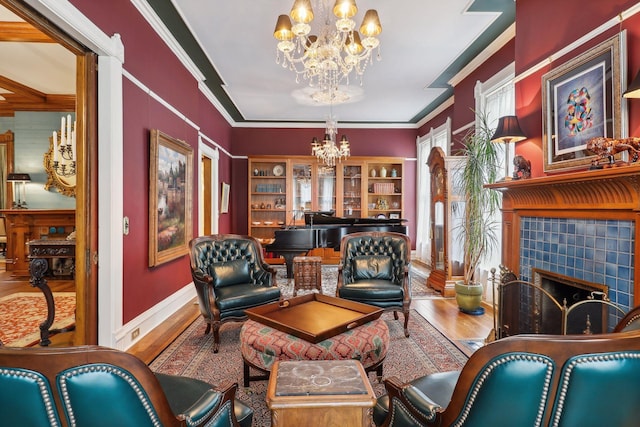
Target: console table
{"type": "Point", "coordinates": [24, 225]}
{"type": "Point", "coordinates": [40, 252]}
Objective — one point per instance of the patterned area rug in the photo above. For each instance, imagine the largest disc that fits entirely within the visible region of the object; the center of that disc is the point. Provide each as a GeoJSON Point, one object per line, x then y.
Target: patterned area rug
{"type": "Point", "coordinates": [425, 351]}
{"type": "Point", "coordinates": [21, 314]}
{"type": "Point", "coordinates": [419, 287]}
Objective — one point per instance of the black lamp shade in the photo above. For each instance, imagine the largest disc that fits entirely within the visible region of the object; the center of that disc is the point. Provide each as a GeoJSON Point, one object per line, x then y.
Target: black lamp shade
{"type": "Point", "coordinates": [508, 130]}
{"type": "Point", "coordinates": [633, 91]}
{"type": "Point", "coordinates": [19, 177]}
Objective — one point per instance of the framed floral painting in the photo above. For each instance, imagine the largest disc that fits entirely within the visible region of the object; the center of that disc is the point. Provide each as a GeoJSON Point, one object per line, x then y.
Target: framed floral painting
{"type": "Point", "coordinates": [170, 198]}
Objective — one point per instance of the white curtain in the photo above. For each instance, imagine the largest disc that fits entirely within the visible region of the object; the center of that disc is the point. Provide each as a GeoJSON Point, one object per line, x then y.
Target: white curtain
{"type": "Point", "coordinates": [496, 98]}
{"type": "Point", "coordinates": [439, 137]}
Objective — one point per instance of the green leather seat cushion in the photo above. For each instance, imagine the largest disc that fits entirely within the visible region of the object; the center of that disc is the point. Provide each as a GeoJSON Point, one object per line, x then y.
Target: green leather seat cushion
{"type": "Point", "coordinates": [372, 290]}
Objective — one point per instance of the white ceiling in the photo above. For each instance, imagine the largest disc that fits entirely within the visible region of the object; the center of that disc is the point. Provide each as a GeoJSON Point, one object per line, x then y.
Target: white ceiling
{"type": "Point", "coordinates": [420, 41]}
{"type": "Point", "coordinates": [424, 43]}
{"type": "Point", "coordinates": [46, 67]}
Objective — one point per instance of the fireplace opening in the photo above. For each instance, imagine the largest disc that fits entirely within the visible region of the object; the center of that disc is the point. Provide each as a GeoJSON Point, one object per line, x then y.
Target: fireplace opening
{"type": "Point", "coordinates": [567, 290]}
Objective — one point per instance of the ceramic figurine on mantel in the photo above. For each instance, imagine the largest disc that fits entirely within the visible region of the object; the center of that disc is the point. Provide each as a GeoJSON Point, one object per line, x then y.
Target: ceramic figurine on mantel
{"type": "Point", "coordinates": [522, 167]}
{"type": "Point", "coordinates": [608, 147]}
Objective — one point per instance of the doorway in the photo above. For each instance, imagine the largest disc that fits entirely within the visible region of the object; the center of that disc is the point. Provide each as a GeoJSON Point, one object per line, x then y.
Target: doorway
{"type": "Point", "coordinates": [22, 26]}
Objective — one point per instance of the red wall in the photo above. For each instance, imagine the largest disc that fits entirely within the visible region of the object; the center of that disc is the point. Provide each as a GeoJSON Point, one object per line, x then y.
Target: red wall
{"type": "Point", "coordinates": [149, 60]}
{"type": "Point", "coordinates": [533, 46]}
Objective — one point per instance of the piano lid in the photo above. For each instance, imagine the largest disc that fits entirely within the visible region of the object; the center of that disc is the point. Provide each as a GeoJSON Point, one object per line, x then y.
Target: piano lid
{"type": "Point", "coordinates": [323, 219]}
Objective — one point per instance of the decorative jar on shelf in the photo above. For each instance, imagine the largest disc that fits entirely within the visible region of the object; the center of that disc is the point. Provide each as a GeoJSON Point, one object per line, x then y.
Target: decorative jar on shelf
{"type": "Point", "coordinates": [394, 173]}
{"type": "Point", "coordinates": [373, 173]}
{"type": "Point", "coordinates": [383, 172]}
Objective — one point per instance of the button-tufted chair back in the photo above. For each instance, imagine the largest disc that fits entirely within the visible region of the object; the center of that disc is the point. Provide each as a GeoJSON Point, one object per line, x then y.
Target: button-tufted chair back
{"type": "Point", "coordinates": [99, 386]}
{"type": "Point", "coordinates": [230, 275]}
{"type": "Point", "coordinates": [389, 255]}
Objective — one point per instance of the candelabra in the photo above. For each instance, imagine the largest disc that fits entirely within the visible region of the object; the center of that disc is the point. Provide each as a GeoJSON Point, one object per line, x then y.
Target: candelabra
{"type": "Point", "coordinates": [60, 159]}
{"type": "Point", "coordinates": [64, 149]}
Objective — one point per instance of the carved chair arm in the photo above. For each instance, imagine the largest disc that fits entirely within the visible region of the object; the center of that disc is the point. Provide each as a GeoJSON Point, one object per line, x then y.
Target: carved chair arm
{"type": "Point", "coordinates": [415, 401]}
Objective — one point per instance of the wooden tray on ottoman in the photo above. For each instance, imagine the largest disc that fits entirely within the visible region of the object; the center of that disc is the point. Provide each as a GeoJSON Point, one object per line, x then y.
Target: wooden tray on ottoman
{"type": "Point", "coordinates": [314, 317]}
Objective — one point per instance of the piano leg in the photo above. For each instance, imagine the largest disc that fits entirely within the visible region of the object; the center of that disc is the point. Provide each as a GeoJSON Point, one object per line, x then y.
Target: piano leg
{"type": "Point", "coordinates": [288, 260]}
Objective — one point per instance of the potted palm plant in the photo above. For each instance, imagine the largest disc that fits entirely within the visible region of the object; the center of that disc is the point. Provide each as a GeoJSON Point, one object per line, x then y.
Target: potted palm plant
{"type": "Point", "coordinates": [478, 228]}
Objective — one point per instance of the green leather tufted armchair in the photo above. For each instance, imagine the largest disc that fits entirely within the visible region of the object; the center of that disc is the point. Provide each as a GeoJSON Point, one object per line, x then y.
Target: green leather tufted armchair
{"type": "Point", "coordinates": [526, 380]}
{"type": "Point", "coordinates": [96, 386]}
{"type": "Point", "coordinates": [230, 275]}
{"type": "Point", "coordinates": [374, 269]}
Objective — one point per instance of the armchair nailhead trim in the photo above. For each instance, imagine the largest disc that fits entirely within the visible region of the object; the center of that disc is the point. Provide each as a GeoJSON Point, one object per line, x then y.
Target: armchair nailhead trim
{"type": "Point", "coordinates": [432, 414]}
{"type": "Point", "coordinates": [566, 377]}
{"type": "Point", "coordinates": [224, 410]}
{"type": "Point", "coordinates": [47, 399]}
{"type": "Point", "coordinates": [508, 358]}
{"type": "Point", "coordinates": [110, 369]}
{"type": "Point", "coordinates": [395, 403]}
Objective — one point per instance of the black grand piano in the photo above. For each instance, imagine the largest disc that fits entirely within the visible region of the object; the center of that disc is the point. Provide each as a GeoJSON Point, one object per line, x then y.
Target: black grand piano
{"type": "Point", "coordinates": [324, 230]}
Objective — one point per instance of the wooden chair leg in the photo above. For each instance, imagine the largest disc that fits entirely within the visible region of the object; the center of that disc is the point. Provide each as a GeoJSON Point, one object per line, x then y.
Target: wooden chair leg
{"type": "Point", "coordinates": [406, 324]}
{"type": "Point", "coordinates": [216, 337]}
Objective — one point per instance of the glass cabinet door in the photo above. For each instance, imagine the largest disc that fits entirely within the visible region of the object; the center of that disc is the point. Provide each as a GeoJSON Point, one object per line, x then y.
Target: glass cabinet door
{"type": "Point", "coordinates": [326, 189]}
{"type": "Point", "coordinates": [352, 191]}
{"type": "Point", "coordinates": [302, 191]}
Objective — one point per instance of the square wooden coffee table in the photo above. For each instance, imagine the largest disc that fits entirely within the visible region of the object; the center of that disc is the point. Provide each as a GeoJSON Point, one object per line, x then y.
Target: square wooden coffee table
{"type": "Point", "coordinates": [320, 393]}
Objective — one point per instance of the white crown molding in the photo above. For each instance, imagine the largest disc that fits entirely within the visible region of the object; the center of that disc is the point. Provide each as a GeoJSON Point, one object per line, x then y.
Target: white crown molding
{"type": "Point", "coordinates": [156, 23]}
{"type": "Point", "coordinates": [446, 104]}
{"type": "Point", "coordinates": [75, 24]}
{"type": "Point", "coordinates": [490, 50]}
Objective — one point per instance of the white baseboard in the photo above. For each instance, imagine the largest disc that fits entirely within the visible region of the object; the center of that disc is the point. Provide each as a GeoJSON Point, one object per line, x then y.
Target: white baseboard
{"type": "Point", "coordinates": [152, 318]}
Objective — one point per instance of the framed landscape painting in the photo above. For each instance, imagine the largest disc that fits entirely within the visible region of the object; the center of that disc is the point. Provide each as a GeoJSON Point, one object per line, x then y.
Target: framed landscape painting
{"type": "Point", "coordinates": [581, 99]}
{"type": "Point", "coordinates": [170, 198]}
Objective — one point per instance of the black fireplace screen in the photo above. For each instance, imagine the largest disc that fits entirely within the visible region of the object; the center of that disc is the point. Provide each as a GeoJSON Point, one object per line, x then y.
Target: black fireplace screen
{"type": "Point", "coordinates": [555, 304]}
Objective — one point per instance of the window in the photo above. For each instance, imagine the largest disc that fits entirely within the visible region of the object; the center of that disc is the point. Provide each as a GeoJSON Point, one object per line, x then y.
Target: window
{"type": "Point", "coordinates": [496, 98]}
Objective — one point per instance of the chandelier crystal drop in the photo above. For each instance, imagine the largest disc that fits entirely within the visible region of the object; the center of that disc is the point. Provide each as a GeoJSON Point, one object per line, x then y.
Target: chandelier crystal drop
{"type": "Point", "coordinates": [326, 60]}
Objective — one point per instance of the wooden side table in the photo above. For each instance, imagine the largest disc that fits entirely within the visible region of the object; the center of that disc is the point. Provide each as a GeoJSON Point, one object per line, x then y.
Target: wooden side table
{"type": "Point", "coordinates": [320, 393]}
{"type": "Point", "coordinates": [307, 273]}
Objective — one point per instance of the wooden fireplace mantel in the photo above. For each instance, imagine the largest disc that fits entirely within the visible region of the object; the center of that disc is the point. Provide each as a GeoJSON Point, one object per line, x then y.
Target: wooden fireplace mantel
{"type": "Point", "coordinates": [612, 193]}
{"type": "Point", "coordinates": [613, 189]}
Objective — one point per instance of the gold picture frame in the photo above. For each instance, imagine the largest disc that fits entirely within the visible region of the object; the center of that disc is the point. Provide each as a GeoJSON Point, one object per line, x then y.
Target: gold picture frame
{"type": "Point", "coordinates": [170, 198]}
{"type": "Point", "coordinates": [581, 99]}
{"type": "Point", "coordinates": [224, 198]}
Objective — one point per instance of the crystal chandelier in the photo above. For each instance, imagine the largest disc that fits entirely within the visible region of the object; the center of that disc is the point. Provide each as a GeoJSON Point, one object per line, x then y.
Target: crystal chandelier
{"type": "Point", "coordinates": [326, 60]}
{"type": "Point", "coordinates": [327, 150]}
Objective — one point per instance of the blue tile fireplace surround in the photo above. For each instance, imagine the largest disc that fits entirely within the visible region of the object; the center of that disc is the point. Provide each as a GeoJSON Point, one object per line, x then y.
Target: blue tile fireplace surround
{"type": "Point", "coordinates": [598, 251]}
{"type": "Point", "coordinates": [582, 225]}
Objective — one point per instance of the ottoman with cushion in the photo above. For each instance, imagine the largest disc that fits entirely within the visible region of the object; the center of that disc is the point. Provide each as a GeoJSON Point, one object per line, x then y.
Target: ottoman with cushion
{"type": "Point", "coordinates": [262, 345]}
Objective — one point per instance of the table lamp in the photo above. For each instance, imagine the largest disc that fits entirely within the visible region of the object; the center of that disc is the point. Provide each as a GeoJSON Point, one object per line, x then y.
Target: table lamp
{"type": "Point", "coordinates": [508, 131]}
{"type": "Point", "coordinates": [19, 202]}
